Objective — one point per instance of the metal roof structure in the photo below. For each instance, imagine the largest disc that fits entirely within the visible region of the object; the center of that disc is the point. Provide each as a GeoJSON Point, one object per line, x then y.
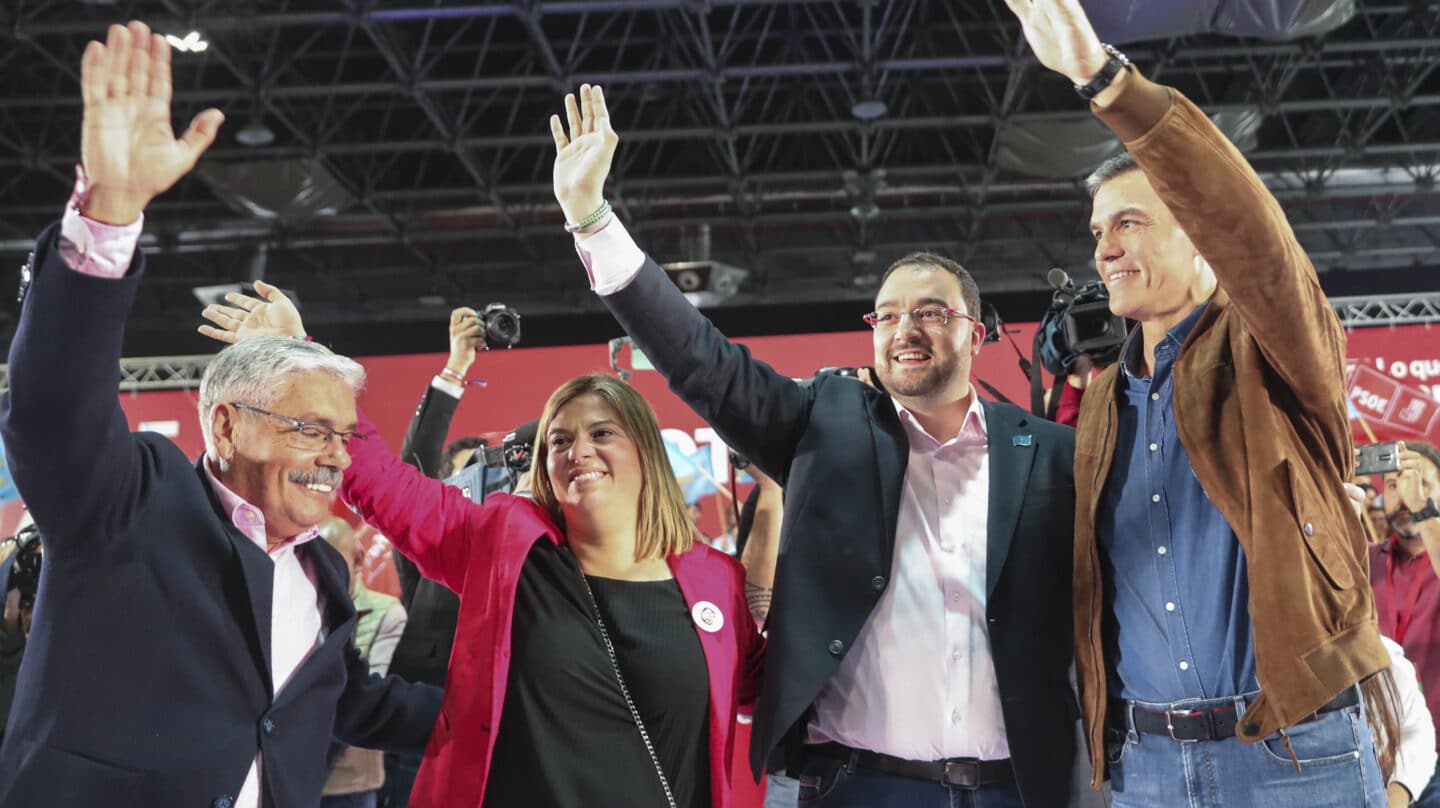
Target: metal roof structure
{"type": "Point", "coordinates": [809, 142]}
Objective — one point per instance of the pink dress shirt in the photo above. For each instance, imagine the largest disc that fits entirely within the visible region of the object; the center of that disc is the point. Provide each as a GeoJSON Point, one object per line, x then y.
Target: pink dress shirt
{"type": "Point", "coordinates": [919, 682]}
{"type": "Point", "coordinates": [296, 629]}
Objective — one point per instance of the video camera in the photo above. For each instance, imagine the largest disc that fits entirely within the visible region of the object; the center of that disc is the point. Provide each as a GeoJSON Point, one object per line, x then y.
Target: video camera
{"type": "Point", "coordinates": [494, 469]}
{"type": "Point", "coordinates": [24, 566]}
{"type": "Point", "coordinates": [1078, 323]}
{"type": "Point", "coordinates": [502, 325]}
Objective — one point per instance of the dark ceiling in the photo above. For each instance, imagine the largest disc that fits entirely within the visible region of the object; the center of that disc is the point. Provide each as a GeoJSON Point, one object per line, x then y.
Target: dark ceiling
{"type": "Point", "coordinates": [740, 140]}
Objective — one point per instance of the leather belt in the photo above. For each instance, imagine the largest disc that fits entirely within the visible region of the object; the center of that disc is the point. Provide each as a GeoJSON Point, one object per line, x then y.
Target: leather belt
{"type": "Point", "coordinates": [957, 772]}
{"type": "Point", "coordinates": [1215, 722]}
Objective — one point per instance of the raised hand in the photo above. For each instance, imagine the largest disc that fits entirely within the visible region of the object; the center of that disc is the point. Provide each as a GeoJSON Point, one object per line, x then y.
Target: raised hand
{"type": "Point", "coordinates": [466, 332]}
{"type": "Point", "coordinates": [272, 314]}
{"type": "Point", "coordinates": [129, 150]}
{"type": "Point", "coordinates": [1409, 483]}
{"type": "Point", "coordinates": [1060, 36]}
{"type": "Point", "coordinates": [583, 154]}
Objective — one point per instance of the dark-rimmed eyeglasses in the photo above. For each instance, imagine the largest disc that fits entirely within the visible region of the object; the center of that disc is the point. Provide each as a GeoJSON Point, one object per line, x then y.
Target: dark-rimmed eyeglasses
{"type": "Point", "coordinates": [928, 317]}
{"type": "Point", "coordinates": [304, 435]}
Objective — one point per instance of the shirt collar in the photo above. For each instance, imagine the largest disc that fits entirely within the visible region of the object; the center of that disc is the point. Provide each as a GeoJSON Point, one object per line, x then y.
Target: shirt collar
{"type": "Point", "coordinates": [972, 432]}
{"type": "Point", "coordinates": [1130, 355]}
{"type": "Point", "coordinates": [247, 518]}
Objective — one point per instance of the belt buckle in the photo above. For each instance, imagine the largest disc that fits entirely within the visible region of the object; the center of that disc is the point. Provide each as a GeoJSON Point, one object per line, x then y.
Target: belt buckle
{"type": "Point", "coordinates": [956, 771]}
{"type": "Point", "coordinates": [1170, 723]}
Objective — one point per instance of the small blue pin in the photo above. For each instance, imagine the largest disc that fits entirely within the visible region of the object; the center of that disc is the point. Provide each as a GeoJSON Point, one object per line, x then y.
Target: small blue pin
{"type": "Point", "coordinates": [1021, 440]}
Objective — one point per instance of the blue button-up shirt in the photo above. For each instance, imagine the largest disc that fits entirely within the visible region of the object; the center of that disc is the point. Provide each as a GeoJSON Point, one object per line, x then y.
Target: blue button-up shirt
{"type": "Point", "coordinates": [1177, 617]}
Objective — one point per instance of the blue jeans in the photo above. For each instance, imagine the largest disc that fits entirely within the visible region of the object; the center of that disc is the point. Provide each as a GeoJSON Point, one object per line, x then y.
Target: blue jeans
{"type": "Point", "coordinates": [829, 784]}
{"type": "Point", "coordinates": [1336, 755]}
{"type": "Point", "coordinates": [781, 790]}
{"type": "Point", "coordinates": [400, 770]}
{"type": "Point", "coordinates": [364, 799]}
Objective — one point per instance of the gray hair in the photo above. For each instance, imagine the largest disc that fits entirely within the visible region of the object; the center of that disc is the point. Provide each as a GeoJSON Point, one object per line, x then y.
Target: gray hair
{"type": "Point", "coordinates": [255, 370]}
{"type": "Point", "coordinates": [1122, 163]}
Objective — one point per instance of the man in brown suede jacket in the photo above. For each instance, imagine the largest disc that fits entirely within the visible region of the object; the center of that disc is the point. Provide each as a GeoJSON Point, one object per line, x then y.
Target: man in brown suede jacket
{"type": "Point", "coordinates": [1222, 616]}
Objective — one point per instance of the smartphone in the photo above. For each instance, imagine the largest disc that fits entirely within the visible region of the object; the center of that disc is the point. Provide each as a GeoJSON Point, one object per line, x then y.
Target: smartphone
{"type": "Point", "coordinates": [1377, 458]}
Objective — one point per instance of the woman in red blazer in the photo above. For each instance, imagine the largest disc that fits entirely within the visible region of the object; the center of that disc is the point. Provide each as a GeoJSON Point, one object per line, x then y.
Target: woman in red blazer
{"type": "Point", "coordinates": [601, 652]}
{"type": "Point", "coordinates": [534, 712]}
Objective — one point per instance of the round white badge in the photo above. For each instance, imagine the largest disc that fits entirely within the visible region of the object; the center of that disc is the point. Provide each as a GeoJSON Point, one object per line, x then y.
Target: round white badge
{"type": "Point", "coordinates": [707, 616]}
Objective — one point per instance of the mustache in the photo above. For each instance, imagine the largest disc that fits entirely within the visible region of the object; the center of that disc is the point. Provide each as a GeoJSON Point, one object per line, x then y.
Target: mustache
{"type": "Point", "coordinates": [321, 476]}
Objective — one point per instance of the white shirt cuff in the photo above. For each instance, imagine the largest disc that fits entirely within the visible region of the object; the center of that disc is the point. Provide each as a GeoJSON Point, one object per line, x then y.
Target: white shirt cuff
{"type": "Point", "coordinates": [447, 387]}
{"type": "Point", "coordinates": [612, 258]}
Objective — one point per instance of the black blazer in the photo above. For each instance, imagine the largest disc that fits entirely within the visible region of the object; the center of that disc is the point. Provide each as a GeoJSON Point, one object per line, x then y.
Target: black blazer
{"type": "Point", "coordinates": [424, 649]}
{"type": "Point", "coordinates": [840, 451]}
{"type": "Point", "coordinates": [147, 677]}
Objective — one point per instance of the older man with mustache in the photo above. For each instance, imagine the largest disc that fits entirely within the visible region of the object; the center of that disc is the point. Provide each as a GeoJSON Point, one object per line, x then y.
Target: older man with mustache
{"type": "Point", "coordinates": [192, 645]}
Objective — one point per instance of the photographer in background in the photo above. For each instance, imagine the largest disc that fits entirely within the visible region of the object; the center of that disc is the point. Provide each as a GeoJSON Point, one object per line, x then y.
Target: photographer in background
{"type": "Point", "coordinates": [424, 647]}
{"type": "Point", "coordinates": [19, 575]}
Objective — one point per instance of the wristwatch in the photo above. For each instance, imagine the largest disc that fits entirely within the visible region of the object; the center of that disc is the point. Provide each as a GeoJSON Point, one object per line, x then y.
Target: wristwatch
{"type": "Point", "coordinates": [1427, 512]}
{"type": "Point", "coordinates": [1116, 63]}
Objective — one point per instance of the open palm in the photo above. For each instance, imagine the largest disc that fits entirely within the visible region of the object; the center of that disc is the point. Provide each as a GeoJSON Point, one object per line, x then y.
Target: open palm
{"type": "Point", "coordinates": [129, 149]}
{"type": "Point", "coordinates": [272, 314]}
{"type": "Point", "coordinates": [1061, 37]}
{"type": "Point", "coordinates": [583, 154]}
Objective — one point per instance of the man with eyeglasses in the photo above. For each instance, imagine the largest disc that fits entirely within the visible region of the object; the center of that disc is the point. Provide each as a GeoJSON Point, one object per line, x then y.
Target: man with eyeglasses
{"type": "Point", "coordinates": [919, 635]}
{"type": "Point", "coordinates": [192, 643]}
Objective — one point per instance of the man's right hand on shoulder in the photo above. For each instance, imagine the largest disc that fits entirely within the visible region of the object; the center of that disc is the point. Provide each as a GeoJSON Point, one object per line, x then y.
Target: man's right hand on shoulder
{"type": "Point", "coordinates": [129, 150]}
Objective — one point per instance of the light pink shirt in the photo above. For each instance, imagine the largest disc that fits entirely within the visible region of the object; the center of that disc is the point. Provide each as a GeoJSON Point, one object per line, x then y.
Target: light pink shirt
{"type": "Point", "coordinates": [919, 683]}
{"type": "Point", "coordinates": [295, 608]}
{"type": "Point", "coordinates": [296, 629]}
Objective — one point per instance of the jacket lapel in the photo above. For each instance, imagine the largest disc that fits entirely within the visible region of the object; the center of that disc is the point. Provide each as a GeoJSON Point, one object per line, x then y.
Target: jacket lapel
{"type": "Point", "coordinates": [330, 581]}
{"type": "Point", "coordinates": [707, 596]}
{"type": "Point", "coordinates": [1012, 452]}
{"type": "Point", "coordinates": [892, 454]}
{"type": "Point", "coordinates": [259, 574]}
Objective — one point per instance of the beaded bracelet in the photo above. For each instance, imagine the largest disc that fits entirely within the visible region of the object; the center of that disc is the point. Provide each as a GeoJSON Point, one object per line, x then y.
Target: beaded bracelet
{"type": "Point", "coordinates": [591, 220]}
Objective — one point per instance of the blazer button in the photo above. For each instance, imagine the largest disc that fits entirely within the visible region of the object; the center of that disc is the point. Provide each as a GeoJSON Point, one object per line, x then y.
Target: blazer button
{"type": "Point", "coordinates": [836, 647]}
{"type": "Point", "coordinates": [877, 583]}
{"type": "Point", "coordinates": [223, 801]}
{"type": "Point", "coordinates": [1309, 529]}
{"type": "Point", "coordinates": [267, 726]}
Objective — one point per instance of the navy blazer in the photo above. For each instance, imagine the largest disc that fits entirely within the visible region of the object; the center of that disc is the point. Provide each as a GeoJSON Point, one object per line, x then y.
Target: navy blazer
{"type": "Point", "coordinates": [147, 677]}
{"type": "Point", "coordinates": [840, 451]}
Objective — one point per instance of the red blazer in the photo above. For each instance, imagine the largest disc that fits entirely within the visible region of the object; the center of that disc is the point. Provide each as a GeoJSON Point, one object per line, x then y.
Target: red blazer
{"type": "Point", "coordinates": [477, 551]}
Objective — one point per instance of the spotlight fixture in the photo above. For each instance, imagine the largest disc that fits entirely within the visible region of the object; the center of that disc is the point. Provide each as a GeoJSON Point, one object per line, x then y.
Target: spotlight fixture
{"type": "Point", "coordinates": [190, 43]}
{"type": "Point", "coordinates": [869, 109]}
{"type": "Point", "coordinates": [255, 133]}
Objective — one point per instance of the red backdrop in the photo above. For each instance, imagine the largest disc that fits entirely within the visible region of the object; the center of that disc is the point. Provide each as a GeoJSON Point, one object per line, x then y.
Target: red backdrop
{"type": "Point", "coordinates": [1393, 377]}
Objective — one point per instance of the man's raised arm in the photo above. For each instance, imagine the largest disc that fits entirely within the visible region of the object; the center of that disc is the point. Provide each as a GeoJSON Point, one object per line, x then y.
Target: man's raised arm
{"type": "Point", "coordinates": [67, 439]}
{"type": "Point", "coordinates": [1235, 223]}
{"type": "Point", "coordinates": [756, 410]}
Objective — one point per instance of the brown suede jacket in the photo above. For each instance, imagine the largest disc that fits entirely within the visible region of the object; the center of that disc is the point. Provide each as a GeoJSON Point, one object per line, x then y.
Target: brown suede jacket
{"type": "Point", "coordinates": [1259, 405]}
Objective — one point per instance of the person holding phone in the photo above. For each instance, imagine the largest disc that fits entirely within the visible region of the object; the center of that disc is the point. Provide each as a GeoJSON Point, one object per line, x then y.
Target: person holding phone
{"type": "Point", "coordinates": [1405, 573]}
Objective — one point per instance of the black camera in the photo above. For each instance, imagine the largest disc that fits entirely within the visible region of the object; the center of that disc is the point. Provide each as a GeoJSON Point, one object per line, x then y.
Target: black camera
{"type": "Point", "coordinates": [1078, 323]}
{"type": "Point", "coordinates": [514, 451]}
{"type": "Point", "coordinates": [502, 325]}
{"type": "Point", "coordinates": [25, 566]}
